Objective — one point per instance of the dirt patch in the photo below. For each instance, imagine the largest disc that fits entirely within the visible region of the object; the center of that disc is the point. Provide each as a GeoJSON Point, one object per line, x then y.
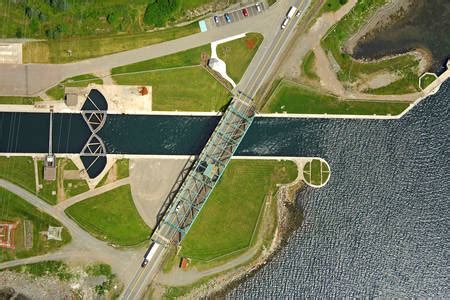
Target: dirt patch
{"type": "Point", "coordinates": [377, 80]}
{"type": "Point", "coordinates": [250, 43]}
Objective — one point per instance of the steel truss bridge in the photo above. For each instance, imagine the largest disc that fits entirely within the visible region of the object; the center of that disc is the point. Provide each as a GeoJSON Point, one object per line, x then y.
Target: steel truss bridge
{"type": "Point", "coordinates": [205, 172]}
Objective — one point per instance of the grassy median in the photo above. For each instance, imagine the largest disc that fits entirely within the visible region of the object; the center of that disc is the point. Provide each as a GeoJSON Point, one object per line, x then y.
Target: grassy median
{"type": "Point", "coordinates": [294, 98]}
{"type": "Point", "coordinates": [112, 217]}
{"type": "Point", "coordinates": [229, 219]}
{"type": "Point", "coordinates": [14, 209]}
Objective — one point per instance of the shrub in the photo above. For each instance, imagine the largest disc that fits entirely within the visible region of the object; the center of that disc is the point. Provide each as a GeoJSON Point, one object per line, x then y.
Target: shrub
{"type": "Point", "coordinates": [158, 12]}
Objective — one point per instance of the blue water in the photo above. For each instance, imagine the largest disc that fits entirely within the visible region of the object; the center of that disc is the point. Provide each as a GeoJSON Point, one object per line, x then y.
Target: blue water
{"type": "Point", "coordinates": [380, 228]}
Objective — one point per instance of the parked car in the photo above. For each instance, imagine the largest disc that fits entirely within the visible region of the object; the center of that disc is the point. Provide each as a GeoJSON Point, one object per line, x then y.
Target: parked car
{"type": "Point", "coordinates": [216, 19]}
{"type": "Point", "coordinates": [227, 18]}
{"type": "Point", "coordinates": [258, 7]}
{"type": "Point", "coordinates": [245, 12]}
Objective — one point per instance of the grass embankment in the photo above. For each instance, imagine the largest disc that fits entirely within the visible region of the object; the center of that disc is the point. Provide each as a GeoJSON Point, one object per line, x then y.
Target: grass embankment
{"type": "Point", "coordinates": [294, 98]}
{"type": "Point", "coordinates": [238, 54]}
{"type": "Point", "coordinates": [406, 66]}
{"type": "Point", "coordinates": [20, 171]}
{"type": "Point", "coordinates": [120, 170]}
{"type": "Point", "coordinates": [56, 51]}
{"type": "Point", "coordinates": [57, 92]}
{"type": "Point", "coordinates": [308, 66]}
{"type": "Point", "coordinates": [178, 82]}
{"type": "Point", "coordinates": [14, 209]}
{"type": "Point", "coordinates": [46, 268]}
{"type": "Point", "coordinates": [426, 80]}
{"type": "Point", "coordinates": [316, 172]}
{"type": "Point", "coordinates": [229, 219]}
{"type": "Point", "coordinates": [333, 5]}
{"type": "Point", "coordinates": [19, 100]}
{"type": "Point", "coordinates": [111, 216]}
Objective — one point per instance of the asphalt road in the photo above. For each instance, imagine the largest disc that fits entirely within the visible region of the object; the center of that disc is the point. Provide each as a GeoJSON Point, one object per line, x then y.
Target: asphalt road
{"type": "Point", "coordinates": [261, 66]}
{"type": "Point", "coordinates": [31, 79]}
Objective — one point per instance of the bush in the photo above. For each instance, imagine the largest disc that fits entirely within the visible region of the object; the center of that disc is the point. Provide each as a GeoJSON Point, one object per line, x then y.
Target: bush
{"type": "Point", "coordinates": [158, 12]}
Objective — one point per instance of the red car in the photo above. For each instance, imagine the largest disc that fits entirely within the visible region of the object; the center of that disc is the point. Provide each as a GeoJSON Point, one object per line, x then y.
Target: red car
{"type": "Point", "coordinates": [245, 12]}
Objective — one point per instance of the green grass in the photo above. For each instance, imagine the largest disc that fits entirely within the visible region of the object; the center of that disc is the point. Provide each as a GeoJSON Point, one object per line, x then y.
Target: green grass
{"type": "Point", "coordinates": [351, 69]}
{"type": "Point", "coordinates": [185, 58]}
{"type": "Point", "coordinates": [48, 191]}
{"type": "Point", "coordinates": [190, 89]}
{"type": "Point", "coordinates": [238, 54]}
{"type": "Point", "coordinates": [45, 268]}
{"type": "Point", "coordinates": [313, 173]}
{"type": "Point", "coordinates": [308, 66]}
{"type": "Point", "coordinates": [55, 51]}
{"type": "Point", "coordinates": [196, 89]}
{"type": "Point", "coordinates": [227, 222]}
{"type": "Point", "coordinates": [14, 208]}
{"type": "Point", "coordinates": [18, 170]}
{"type": "Point", "coordinates": [123, 168]}
{"type": "Point", "coordinates": [111, 216]}
{"type": "Point", "coordinates": [398, 87]}
{"type": "Point", "coordinates": [19, 100]}
{"type": "Point", "coordinates": [333, 5]}
{"type": "Point", "coordinates": [57, 92]}
{"type": "Point", "coordinates": [74, 187]}
{"type": "Point", "coordinates": [426, 80]}
{"type": "Point", "coordinates": [102, 270]}
{"type": "Point", "coordinates": [293, 98]}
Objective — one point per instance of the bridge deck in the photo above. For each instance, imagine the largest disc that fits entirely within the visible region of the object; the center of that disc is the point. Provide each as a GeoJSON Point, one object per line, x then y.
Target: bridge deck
{"type": "Point", "coordinates": [206, 172]}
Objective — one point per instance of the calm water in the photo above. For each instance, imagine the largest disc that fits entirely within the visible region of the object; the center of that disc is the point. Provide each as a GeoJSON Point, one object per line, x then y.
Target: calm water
{"type": "Point", "coordinates": [380, 226]}
{"type": "Point", "coordinates": [426, 25]}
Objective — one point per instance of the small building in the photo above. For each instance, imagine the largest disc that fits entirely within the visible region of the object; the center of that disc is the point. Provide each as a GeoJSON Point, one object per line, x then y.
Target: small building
{"type": "Point", "coordinates": [71, 96]}
{"type": "Point", "coordinates": [7, 230]}
{"type": "Point", "coordinates": [54, 233]}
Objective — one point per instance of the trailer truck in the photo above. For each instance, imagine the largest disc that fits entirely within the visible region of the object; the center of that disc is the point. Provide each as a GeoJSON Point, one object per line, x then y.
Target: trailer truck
{"type": "Point", "coordinates": [289, 15]}
{"type": "Point", "coordinates": [151, 251]}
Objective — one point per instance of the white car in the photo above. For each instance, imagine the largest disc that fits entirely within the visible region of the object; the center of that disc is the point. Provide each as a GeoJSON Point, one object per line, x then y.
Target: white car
{"type": "Point", "coordinates": [258, 7]}
{"type": "Point", "coordinates": [284, 24]}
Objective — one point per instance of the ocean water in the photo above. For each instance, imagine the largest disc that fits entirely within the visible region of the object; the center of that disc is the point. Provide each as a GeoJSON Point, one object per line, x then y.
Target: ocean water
{"type": "Point", "coordinates": [425, 25]}
{"type": "Point", "coordinates": [380, 228]}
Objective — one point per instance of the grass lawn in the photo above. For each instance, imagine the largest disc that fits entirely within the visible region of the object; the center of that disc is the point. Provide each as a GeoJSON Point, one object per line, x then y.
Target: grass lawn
{"type": "Point", "coordinates": [333, 5]}
{"type": "Point", "coordinates": [56, 51]}
{"type": "Point", "coordinates": [190, 89]}
{"type": "Point", "coordinates": [293, 98]}
{"type": "Point", "coordinates": [308, 66]}
{"type": "Point", "coordinates": [404, 65]}
{"type": "Point", "coordinates": [426, 80]}
{"type": "Point", "coordinates": [15, 208]}
{"type": "Point", "coordinates": [316, 172]}
{"type": "Point", "coordinates": [57, 92]}
{"type": "Point", "coordinates": [227, 222]}
{"type": "Point", "coordinates": [111, 216]}
{"type": "Point", "coordinates": [48, 191]}
{"type": "Point", "coordinates": [19, 100]}
{"type": "Point", "coordinates": [121, 169]}
{"type": "Point", "coordinates": [398, 87]}
{"type": "Point", "coordinates": [238, 54]}
{"type": "Point", "coordinates": [195, 89]}
{"type": "Point", "coordinates": [18, 170]}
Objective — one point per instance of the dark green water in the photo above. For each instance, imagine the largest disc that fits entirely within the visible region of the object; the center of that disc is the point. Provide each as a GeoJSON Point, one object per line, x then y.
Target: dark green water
{"type": "Point", "coordinates": [425, 25]}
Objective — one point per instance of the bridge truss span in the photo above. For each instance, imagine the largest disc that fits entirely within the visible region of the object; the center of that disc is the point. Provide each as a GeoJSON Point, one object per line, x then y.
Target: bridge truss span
{"type": "Point", "coordinates": [206, 171]}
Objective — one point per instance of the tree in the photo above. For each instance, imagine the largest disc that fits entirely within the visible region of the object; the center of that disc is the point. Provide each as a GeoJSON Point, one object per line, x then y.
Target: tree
{"type": "Point", "coordinates": [157, 13]}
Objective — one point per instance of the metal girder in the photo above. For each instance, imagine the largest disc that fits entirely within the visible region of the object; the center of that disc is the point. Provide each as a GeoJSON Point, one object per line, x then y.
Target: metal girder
{"type": "Point", "coordinates": [206, 172]}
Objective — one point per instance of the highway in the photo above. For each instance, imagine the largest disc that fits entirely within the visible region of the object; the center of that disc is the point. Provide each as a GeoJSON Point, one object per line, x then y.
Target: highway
{"type": "Point", "coordinates": [259, 70]}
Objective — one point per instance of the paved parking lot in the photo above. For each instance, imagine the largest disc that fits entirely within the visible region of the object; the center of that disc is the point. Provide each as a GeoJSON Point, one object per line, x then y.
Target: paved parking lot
{"type": "Point", "coordinates": [237, 15]}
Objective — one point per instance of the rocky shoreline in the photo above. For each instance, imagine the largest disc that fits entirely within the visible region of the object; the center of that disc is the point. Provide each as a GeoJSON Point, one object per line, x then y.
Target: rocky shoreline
{"type": "Point", "coordinates": [290, 218]}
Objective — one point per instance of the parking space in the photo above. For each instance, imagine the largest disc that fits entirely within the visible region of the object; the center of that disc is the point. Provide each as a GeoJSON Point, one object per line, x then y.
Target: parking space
{"type": "Point", "coordinates": [238, 14]}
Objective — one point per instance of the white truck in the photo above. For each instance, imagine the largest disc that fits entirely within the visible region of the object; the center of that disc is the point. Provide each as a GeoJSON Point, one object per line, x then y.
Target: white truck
{"type": "Point", "coordinates": [150, 253]}
{"type": "Point", "coordinates": [289, 15]}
